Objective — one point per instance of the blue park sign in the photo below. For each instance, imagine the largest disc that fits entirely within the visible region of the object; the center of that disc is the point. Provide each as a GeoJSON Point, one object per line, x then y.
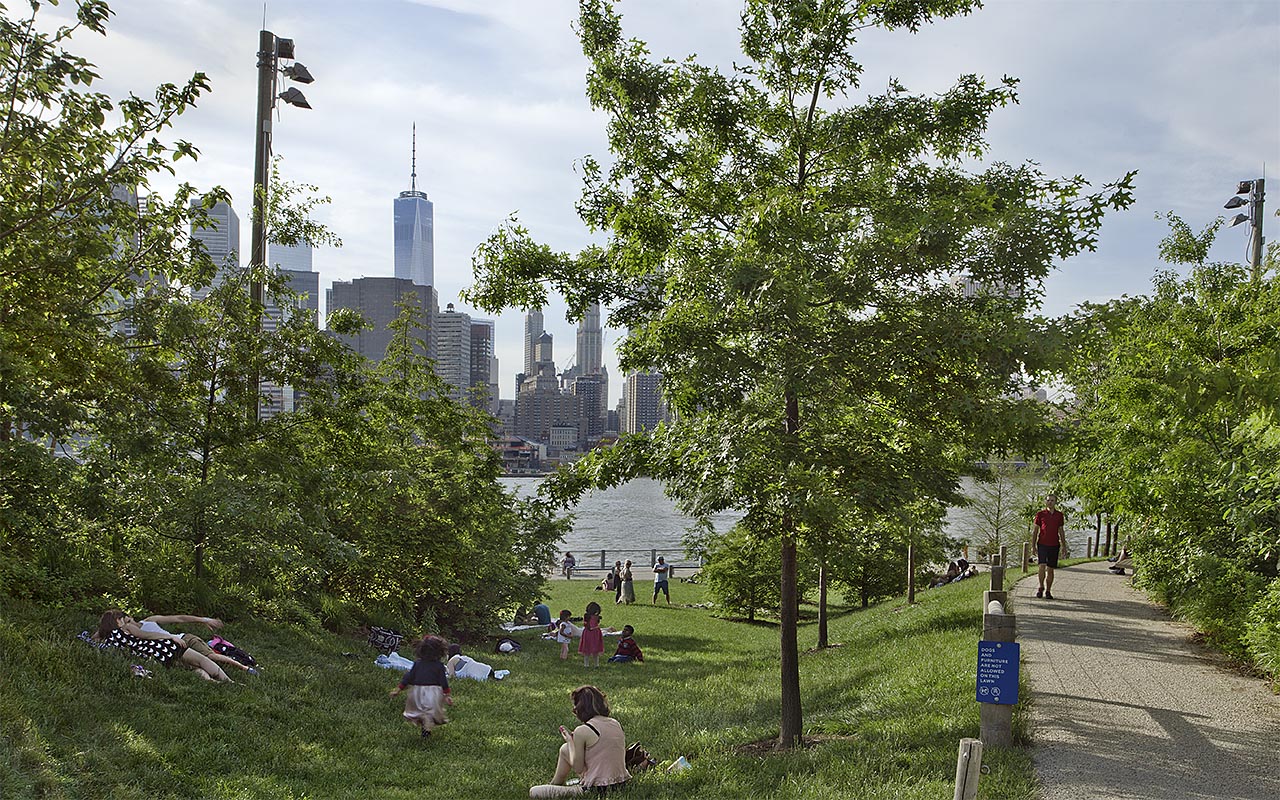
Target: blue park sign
{"type": "Point", "coordinates": [998, 672]}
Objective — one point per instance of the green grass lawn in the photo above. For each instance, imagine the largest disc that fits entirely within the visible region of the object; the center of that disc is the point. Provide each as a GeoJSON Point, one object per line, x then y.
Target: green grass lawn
{"type": "Point", "coordinates": [885, 711]}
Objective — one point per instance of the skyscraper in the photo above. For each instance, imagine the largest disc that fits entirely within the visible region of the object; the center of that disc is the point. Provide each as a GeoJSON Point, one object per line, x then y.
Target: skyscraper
{"type": "Point", "coordinates": [453, 351]}
{"type": "Point", "coordinates": [484, 365]}
{"type": "Point", "coordinates": [414, 220]}
{"type": "Point", "coordinates": [375, 299]}
{"type": "Point", "coordinates": [533, 328]}
{"type": "Point", "coordinates": [296, 258]}
{"type": "Point", "coordinates": [642, 406]}
{"type": "Point", "coordinates": [590, 342]}
{"type": "Point", "coordinates": [221, 239]}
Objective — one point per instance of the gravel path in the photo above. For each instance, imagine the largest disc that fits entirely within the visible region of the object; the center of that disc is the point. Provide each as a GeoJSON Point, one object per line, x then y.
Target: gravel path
{"type": "Point", "coordinates": [1125, 705]}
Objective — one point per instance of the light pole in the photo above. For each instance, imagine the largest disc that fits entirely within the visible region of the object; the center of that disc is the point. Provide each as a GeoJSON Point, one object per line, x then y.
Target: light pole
{"type": "Point", "coordinates": [271, 50]}
{"type": "Point", "coordinates": [1255, 189]}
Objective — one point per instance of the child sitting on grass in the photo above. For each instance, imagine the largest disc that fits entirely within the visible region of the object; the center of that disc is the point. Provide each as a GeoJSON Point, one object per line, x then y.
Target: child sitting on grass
{"type": "Point", "coordinates": [428, 686]}
{"type": "Point", "coordinates": [564, 633]}
{"type": "Point", "coordinates": [628, 650]}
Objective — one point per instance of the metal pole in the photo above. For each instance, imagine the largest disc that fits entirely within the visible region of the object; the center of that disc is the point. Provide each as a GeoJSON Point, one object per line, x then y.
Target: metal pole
{"type": "Point", "coordinates": [1255, 218]}
{"type": "Point", "coordinates": [261, 175]}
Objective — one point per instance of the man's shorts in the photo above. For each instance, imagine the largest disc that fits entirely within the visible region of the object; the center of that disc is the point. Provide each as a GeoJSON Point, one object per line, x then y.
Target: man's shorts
{"type": "Point", "coordinates": [1048, 555]}
{"type": "Point", "coordinates": [661, 586]}
{"type": "Point", "coordinates": [194, 642]}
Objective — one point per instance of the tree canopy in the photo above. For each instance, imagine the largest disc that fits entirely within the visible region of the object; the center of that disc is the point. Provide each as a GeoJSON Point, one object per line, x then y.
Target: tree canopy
{"type": "Point", "coordinates": [784, 248]}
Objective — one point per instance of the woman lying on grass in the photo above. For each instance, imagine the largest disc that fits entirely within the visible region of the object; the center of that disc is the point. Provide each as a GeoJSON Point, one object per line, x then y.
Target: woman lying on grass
{"type": "Point", "coordinates": [118, 628]}
{"type": "Point", "coordinates": [596, 750]}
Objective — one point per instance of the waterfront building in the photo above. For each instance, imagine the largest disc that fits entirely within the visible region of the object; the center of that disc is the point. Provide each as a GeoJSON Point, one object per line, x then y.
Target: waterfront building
{"type": "Point", "coordinates": [375, 299]}
{"type": "Point", "coordinates": [414, 230]}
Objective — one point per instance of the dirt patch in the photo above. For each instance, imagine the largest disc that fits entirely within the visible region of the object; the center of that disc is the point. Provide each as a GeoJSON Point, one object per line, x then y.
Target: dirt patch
{"type": "Point", "coordinates": [769, 747]}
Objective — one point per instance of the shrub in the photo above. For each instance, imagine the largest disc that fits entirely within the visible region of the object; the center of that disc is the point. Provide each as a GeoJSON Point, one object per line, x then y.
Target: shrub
{"type": "Point", "coordinates": [1262, 630]}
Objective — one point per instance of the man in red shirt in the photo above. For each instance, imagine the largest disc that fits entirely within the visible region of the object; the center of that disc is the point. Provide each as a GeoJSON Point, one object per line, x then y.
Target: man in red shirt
{"type": "Point", "coordinates": [1049, 521]}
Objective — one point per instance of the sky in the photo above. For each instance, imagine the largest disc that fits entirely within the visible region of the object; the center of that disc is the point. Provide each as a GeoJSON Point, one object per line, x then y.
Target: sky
{"type": "Point", "coordinates": [1187, 92]}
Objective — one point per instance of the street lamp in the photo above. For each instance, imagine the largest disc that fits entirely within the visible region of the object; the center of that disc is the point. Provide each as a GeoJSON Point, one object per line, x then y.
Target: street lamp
{"type": "Point", "coordinates": [271, 50]}
{"type": "Point", "coordinates": [1255, 190]}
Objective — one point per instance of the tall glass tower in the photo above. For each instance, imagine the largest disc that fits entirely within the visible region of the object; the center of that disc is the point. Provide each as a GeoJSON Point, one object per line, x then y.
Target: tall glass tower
{"type": "Point", "coordinates": [415, 230]}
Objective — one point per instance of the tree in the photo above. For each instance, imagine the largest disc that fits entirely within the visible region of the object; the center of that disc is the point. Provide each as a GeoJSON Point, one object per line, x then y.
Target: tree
{"type": "Point", "coordinates": [1176, 432]}
{"type": "Point", "coordinates": [780, 248]}
{"type": "Point", "coordinates": [1001, 506]}
{"type": "Point", "coordinates": [74, 242]}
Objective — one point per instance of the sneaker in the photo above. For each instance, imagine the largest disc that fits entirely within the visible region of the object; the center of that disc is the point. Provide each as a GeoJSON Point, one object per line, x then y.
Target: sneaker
{"type": "Point", "coordinates": [252, 671]}
{"type": "Point", "coordinates": [426, 734]}
{"type": "Point", "coordinates": [1118, 570]}
{"type": "Point", "coordinates": [1040, 592]}
{"type": "Point", "coordinates": [500, 674]}
{"type": "Point", "coordinates": [1048, 595]}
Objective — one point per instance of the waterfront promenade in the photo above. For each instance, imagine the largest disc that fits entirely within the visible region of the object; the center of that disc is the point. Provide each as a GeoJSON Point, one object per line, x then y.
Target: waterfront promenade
{"type": "Point", "coordinates": [1124, 704]}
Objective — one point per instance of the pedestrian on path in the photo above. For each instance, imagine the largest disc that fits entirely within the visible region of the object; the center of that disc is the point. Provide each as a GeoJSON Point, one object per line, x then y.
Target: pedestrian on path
{"type": "Point", "coordinates": [1048, 522]}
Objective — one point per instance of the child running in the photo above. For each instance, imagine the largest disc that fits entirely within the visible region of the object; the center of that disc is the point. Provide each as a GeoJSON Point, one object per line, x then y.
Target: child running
{"type": "Point", "coordinates": [564, 633]}
{"type": "Point", "coordinates": [428, 686]}
{"type": "Point", "coordinates": [628, 650]}
{"type": "Point", "coordinates": [591, 645]}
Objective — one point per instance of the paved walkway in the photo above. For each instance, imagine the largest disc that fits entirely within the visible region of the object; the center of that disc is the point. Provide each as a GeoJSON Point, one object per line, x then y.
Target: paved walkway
{"type": "Point", "coordinates": [1125, 705]}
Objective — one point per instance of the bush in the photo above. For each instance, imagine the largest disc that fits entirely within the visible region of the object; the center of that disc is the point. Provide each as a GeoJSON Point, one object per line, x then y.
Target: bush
{"type": "Point", "coordinates": [1262, 631]}
{"type": "Point", "coordinates": [1220, 601]}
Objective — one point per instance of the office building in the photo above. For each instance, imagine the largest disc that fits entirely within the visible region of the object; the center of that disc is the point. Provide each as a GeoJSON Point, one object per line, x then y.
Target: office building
{"type": "Point", "coordinates": [375, 299]}
{"type": "Point", "coordinates": [453, 352]}
{"type": "Point", "coordinates": [533, 329]}
{"type": "Point", "coordinates": [295, 258]}
{"type": "Point", "coordinates": [220, 235]}
{"type": "Point", "coordinates": [642, 406]}
{"type": "Point", "coordinates": [414, 230]}
{"type": "Point", "coordinates": [590, 355]}
{"type": "Point", "coordinates": [484, 365]}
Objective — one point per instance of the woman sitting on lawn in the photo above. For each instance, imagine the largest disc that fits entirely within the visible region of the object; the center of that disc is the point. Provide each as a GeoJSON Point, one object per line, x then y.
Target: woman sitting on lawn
{"type": "Point", "coordinates": [596, 750]}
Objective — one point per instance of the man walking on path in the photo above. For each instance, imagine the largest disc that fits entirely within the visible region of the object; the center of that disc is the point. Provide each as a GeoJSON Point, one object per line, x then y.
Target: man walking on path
{"type": "Point", "coordinates": [1127, 705]}
{"type": "Point", "coordinates": [661, 571]}
{"type": "Point", "coordinates": [1049, 521]}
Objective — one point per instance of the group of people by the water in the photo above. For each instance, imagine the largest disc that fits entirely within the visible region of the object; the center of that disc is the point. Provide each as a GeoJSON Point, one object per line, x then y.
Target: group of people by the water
{"type": "Point", "coordinates": [621, 580]}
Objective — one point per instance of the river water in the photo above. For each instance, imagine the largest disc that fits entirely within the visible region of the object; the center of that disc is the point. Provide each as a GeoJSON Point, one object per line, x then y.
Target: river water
{"type": "Point", "coordinates": [631, 520]}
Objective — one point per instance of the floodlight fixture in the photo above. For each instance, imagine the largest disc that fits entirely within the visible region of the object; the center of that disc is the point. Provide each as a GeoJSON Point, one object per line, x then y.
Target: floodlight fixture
{"type": "Point", "coordinates": [1244, 187]}
{"type": "Point", "coordinates": [284, 48]}
{"type": "Point", "coordinates": [1236, 202]}
{"type": "Point", "coordinates": [294, 97]}
{"type": "Point", "coordinates": [297, 72]}
{"type": "Point", "coordinates": [1238, 219]}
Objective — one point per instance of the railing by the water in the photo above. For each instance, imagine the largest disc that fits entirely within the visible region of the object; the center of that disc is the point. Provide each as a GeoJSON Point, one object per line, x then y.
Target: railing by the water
{"type": "Point", "coordinates": [598, 562]}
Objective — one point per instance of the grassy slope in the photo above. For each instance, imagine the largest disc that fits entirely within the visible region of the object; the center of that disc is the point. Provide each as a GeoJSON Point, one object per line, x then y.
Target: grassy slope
{"type": "Point", "coordinates": [893, 702]}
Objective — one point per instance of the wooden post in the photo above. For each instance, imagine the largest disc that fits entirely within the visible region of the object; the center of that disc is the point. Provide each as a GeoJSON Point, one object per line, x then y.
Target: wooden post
{"type": "Point", "coordinates": [968, 769]}
{"type": "Point", "coordinates": [1088, 548]}
{"type": "Point", "coordinates": [997, 574]}
{"type": "Point", "coordinates": [1004, 556]}
{"type": "Point", "coordinates": [996, 719]}
{"type": "Point", "coordinates": [1026, 557]}
{"type": "Point", "coordinates": [911, 573]}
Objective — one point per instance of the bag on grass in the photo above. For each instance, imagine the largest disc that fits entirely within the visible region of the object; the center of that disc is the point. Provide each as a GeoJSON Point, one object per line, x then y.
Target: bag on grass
{"type": "Point", "coordinates": [638, 759]}
{"type": "Point", "coordinates": [506, 645]}
{"type": "Point", "coordinates": [384, 640]}
{"type": "Point", "coordinates": [219, 645]}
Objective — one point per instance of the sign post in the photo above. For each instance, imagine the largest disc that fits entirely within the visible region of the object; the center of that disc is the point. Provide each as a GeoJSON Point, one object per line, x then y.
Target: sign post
{"type": "Point", "coordinates": [997, 683]}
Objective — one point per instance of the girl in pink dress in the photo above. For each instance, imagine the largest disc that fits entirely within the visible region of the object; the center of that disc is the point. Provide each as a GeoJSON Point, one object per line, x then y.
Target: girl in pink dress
{"type": "Point", "coordinates": [591, 645]}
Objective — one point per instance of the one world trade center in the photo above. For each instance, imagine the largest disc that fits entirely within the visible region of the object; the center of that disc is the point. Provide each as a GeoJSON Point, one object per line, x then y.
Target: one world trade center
{"type": "Point", "coordinates": [414, 230]}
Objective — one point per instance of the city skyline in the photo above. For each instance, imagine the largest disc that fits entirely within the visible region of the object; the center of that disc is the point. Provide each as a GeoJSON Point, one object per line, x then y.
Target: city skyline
{"type": "Point", "coordinates": [496, 91]}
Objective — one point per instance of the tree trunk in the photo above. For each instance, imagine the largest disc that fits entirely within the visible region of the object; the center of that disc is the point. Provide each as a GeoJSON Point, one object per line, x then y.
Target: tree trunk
{"type": "Point", "coordinates": [911, 572]}
{"type": "Point", "coordinates": [792, 717]}
{"type": "Point", "coordinates": [864, 589]}
{"type": "Point", "coordinates": [822, 606]}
